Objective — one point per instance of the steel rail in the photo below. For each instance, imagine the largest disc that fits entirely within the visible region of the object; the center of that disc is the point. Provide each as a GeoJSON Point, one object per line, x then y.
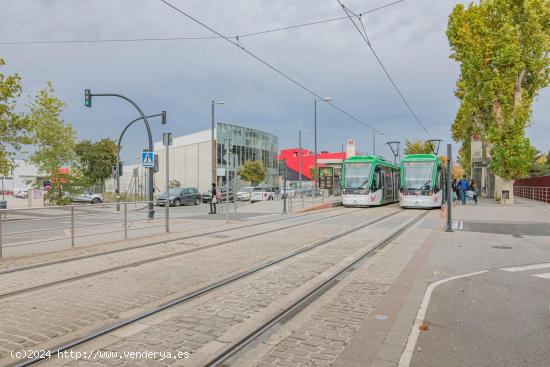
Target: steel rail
{"type": "Point", "coordinates": [201, 291]}
{"type": "Point", "coordinates": [160, 242]}
{"type": "Point", "coordinates": [309, 297]}
{"type": "Point", "coordinates": [76, 258]}
{"type": "Point", "coordinates": [157, 258]}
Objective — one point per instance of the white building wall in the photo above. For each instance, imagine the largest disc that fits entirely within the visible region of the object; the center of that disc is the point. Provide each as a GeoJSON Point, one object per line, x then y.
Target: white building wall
{"type": "Point", "coordinates": [190, 161]}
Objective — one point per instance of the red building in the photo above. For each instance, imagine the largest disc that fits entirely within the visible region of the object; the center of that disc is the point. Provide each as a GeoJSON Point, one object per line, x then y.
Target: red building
{"type": "Point", "coordinates": [324, 159]}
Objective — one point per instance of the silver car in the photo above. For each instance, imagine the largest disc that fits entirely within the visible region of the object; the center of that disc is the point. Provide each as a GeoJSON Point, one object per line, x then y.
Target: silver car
{"type": "Point", "coordinates": [88, 197]}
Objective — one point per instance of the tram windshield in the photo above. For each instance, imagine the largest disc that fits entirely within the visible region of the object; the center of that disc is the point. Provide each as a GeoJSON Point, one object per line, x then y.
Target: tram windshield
{"type": "Point", "coordinates": [418, 175]}
{"type": "Point", "coordinates": [357, 175]}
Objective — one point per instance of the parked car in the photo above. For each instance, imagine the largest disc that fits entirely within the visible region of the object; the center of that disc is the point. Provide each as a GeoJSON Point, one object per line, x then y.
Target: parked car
{"type": "Point", "coordinates": [309, 192]}
{"type": "Point", "coordinates": [87, 197]}
{"type": "Point", "coordinates": [262, 193]}
{"type": "Point", "coordinates": [289, 192]}
{"type": "Point", "coordinates": [180, 196]}
{"type": "Point", "coordinates": [22, 193]}
{"type": "Point", "coordinates": [244, 193]}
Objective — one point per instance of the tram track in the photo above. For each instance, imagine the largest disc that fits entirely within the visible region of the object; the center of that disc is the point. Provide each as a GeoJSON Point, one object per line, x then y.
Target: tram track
{"type": "Point", "coordinates": [289, 312]}
{"type": "Point", "coordinates": [162, 242]}
{"type": "Point", "coordinates": [167, 255]}
{"type": "Point", "coordinates": [185, 298]}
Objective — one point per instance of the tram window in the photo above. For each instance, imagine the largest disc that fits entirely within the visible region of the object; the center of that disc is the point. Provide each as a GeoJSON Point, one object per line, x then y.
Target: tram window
{"type": "Point", "coordinates": [378, 178]}
{"type": "Point", "coordinates": [439, 180]}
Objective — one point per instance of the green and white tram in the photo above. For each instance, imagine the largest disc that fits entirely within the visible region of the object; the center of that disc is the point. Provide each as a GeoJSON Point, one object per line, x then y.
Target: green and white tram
{"type": "Point", "coordinates": [423, 183]}
{"type": "Point", "coordinates": [369, 181]}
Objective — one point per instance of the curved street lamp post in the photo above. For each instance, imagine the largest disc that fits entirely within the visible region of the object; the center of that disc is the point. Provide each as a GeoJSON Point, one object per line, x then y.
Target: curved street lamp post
{"type": "Point", "coordinates": [88, 103]}
{"type": "Point", "coordinates": [163, 122]}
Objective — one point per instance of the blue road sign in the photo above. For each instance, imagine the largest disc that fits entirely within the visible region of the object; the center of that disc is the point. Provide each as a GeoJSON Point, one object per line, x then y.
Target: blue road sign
{"type": "Point", "coordinates": [147, 159]}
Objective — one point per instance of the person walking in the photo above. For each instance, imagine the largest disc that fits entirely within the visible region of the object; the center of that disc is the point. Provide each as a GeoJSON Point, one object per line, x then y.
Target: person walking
{"type": "Point", "coordinates": [473, 187]}
{"type": "Point", "coordinates": [214, 199]}
{"type": "Point", "coordinates": [454, 188]}
{"type": "Point", "coordinates": [463, 186]}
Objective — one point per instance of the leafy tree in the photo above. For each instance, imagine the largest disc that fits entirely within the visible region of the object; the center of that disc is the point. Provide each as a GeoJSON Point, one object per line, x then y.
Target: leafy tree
{"type": "Point", "coordinates": [540, 166]}
{"type": "Point", "coordinates": [503, 50]}
{"type": "Point", "coordinates": [55, 146]}
{"type": "Point", "coordinates": [253, 172]}
{"type": "Point", "coordinates": [417, 147]}
{"type": "Point", "coordinates": [14, 127]}
{"type": "Point", "coordinates": [96, 160]}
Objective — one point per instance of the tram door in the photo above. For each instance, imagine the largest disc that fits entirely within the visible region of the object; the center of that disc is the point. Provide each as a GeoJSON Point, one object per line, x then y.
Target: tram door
{"type": "Point", "coordinates": [387, 182]}
{"type": "Point", "coordinates": [395, 185]}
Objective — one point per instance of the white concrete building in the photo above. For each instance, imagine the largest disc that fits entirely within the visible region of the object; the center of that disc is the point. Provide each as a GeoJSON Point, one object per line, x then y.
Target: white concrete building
{"type": "Point", "coordinates": [22, 176]}
{"type": "Point", "coordinates": [190, 159]}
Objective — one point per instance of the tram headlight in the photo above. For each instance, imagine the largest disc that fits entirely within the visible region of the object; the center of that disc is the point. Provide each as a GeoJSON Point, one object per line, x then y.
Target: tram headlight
{"type": "Point", "coordinates": [343, 191]}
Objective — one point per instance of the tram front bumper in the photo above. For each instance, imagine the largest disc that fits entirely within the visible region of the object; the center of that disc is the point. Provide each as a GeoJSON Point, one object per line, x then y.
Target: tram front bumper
{"type": "Point", "coordinates": [356, 200]}
{"type": "Point", "coordinates": [413, 201]}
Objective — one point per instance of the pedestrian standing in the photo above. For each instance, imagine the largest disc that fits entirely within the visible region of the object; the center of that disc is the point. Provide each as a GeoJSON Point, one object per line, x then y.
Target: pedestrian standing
{"type": "Point", "coordinates": [454, 188]}
{"type": "Point", "coordinates": [473, 187]}
{"type": "Point", "coordinates": [214, 199]}
{"type": "Point", "coordinates": [463, 186]}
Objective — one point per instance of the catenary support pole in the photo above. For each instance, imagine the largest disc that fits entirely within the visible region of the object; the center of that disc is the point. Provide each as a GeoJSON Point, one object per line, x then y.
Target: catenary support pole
{"type": "Point", "coordinates": [449, 188]}
{"type": "Point", "coordinates": [285, 195]}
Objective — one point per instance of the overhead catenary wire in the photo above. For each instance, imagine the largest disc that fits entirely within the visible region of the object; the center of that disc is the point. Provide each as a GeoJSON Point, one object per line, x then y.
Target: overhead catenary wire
{"type": "Point", "coordinates": [275, 69]}
{"type": "Point", "coordinates": [351, 15]}
{"type": "Point", "coordinates": [161, 39]}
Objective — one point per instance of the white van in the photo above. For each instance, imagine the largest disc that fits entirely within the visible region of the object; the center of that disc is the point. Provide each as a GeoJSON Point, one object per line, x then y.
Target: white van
{"type": "Point", "coordinates": [262, 193]}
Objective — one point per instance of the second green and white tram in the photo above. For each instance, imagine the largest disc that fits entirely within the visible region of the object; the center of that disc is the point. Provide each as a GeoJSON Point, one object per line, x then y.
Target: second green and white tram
{"type": "Point", "coordinates": [369, 181]}
{"type": "Point", "coordinates": [423, 181]}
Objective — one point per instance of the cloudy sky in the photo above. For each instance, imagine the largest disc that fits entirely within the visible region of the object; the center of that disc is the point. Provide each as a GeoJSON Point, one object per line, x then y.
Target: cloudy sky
{"type": "Point", "coordinates": [183, 76]}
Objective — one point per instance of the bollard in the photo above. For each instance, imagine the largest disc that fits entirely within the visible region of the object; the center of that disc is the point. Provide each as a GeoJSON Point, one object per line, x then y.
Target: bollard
{"type": "Point", "coordinates": [125, 221]}
{"type": "Point", "coordinates": [72, 226]}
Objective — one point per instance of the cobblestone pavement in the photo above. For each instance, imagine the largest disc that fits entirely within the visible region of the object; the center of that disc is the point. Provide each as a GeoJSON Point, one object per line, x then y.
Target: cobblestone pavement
{"type": "Point", "coordinates": [33, 277]}
{"type": "Point", "coordinates": [205, 325]}
{"type": "Point", "coordinates": [185, 228]}
{"type": "Point", "coordinates": [29, 320]}
{"type": "Point", "coordinates": [319, 337]}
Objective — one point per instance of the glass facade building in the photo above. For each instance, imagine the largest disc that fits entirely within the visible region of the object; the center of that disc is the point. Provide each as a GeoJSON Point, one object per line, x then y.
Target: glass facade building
{"type": "Point", "coordinates": [246, 145]}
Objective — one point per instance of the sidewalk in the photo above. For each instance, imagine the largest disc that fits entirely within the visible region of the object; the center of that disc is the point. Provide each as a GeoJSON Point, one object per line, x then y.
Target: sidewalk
{"type": "Point", "coordinates": [494, 318]}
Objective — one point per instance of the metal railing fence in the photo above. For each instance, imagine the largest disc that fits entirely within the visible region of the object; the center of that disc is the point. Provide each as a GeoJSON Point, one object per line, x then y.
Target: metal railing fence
{"type": "Point", "coordinates": [66, 224]}
{"type": "Point", "coordinates": [533, 192]}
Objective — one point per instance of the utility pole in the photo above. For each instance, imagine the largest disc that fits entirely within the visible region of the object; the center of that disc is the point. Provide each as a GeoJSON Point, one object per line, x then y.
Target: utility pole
{"type": "Point", "coordinates": [167, 140]}
{"type": "Point", "coordinates": [228, 147]}
{"type": "Point", "coordinates": [285, 189]}
{"type": "Point", "coordinates": [213, 139]}
{"type": "Point", "coordinates": [300, 157]}
{"type": "Point", "coordinates": [449, 189]}
{"type": "Point", "coordinates": [327, 99]}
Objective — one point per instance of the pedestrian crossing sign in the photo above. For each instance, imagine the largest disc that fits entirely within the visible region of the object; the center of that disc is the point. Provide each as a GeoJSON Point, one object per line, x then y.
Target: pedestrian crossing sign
{"type": "Point", "coordinates": [147, 159]}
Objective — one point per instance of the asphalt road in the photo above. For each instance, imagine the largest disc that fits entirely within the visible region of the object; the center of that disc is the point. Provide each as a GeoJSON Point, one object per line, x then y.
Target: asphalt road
{"type": "Point", "coordinates": [499, 318]}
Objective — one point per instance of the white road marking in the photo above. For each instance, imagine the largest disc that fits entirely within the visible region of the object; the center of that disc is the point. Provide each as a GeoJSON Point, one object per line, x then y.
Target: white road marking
{"type": "Point", "coordinates": [420, 316]}
{"type": "Point", "coordinates": [543, 276]}
{"type": "Point", "coordinates": [461, 225]}
{"type": "Point", "coordinates": [527, 267]}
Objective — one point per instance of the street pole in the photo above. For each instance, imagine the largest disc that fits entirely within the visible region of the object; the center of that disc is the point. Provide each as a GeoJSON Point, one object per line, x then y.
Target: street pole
{"type": "Point", "coordinates": [213, 143]}
{"type": "Point", "coordinates": [315, 157]}
{"type": "Point", "coordinates": [449, 189]}
{"type": "Point", "coordinates": [88, 103]}
{"type": "Point", "coordinates": [167, 140]}
{"type": "Point", "coordinates": [235, 185]}
{"type": "Point", "coordinates": [285, 190]}
{"type": "Point", "coordinates": [300, 157]}
{"type": "Point", "coordinates": [163, 121]}
{"type": "Point", "coordinates": [227, 181]}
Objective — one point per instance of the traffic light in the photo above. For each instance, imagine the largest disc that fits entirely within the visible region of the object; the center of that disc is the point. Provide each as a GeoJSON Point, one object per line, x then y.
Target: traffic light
{"type": "Point", "coordinates": [87, 98]}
